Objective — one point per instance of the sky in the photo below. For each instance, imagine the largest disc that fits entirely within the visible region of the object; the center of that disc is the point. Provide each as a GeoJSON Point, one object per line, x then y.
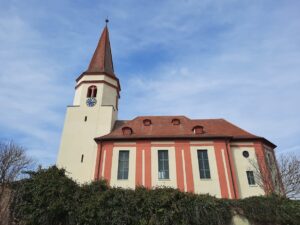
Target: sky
{"type": "Point", "coordinates": [232, 59]}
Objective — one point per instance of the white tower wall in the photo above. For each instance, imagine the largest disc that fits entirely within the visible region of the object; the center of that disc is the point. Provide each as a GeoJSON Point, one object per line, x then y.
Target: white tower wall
{"type": "Point", "coordinates": [78, 135]}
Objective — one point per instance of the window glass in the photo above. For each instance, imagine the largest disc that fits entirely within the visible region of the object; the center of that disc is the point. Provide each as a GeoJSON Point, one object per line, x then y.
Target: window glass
{"type": "Point", "coordinates": [163, 164]}
{"type": "Point", "coordinates": [203, 164]}
{"type": "Point", "coordinates": [250, 177]}
{"type": "Point", "coordinates": [123, 165]}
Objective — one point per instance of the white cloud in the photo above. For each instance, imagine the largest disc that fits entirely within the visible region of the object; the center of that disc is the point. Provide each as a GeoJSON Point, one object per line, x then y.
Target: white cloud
{"type": "Point", "coordinates": [204, 59]}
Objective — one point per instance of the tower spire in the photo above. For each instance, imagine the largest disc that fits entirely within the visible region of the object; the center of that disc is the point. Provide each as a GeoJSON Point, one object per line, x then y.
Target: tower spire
{"type": "Point", "coordinates": [101, 61]}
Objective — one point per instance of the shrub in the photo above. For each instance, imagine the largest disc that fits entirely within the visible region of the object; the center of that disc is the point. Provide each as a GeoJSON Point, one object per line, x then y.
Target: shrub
{"type": "Point", "coordinates": [270, 210]}
{"type": "Point", "coordinates": [49, 197]}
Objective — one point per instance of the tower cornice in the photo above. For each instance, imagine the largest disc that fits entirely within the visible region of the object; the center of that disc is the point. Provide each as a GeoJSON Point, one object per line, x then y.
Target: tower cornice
{"type": "Point", "coordinates": [79, 82]}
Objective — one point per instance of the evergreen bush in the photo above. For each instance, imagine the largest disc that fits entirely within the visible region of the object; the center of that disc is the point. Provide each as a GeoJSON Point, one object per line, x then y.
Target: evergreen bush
{"type": "Point", "coordinates": [49, 197]}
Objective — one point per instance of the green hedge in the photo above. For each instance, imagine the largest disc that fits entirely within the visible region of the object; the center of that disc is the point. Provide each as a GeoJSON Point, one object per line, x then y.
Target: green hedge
{"type": "Point", "coordinates": [48, 197]}
{"type": "Point", "coordinates": [270, 210]}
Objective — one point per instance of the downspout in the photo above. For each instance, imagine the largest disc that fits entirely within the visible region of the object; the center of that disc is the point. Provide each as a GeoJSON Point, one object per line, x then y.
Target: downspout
{"type": "Point", "coordinates": [230, 168]}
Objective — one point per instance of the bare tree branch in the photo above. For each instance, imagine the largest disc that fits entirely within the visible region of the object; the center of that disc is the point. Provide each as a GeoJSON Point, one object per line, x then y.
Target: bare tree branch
{"type": "Point", "coordinates": [13, 161]}
{"type": "Point", "coordinates": [281, 177]}
{"type": "Point", "coordinates": [289, 166]}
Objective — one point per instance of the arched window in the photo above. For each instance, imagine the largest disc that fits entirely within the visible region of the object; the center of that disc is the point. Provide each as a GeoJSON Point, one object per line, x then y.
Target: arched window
{"type": "Point", "coordinates": [92, 92]}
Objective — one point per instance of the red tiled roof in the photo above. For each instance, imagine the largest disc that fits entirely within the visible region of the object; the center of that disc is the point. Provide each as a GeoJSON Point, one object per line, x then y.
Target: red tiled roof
{"type": "Point", "coordinates": [102, 58]}
{"type": "Point", "coordinates": [162, 127]}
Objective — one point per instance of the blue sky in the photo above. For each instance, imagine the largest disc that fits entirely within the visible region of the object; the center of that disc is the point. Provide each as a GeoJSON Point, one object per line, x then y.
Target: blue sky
{"type": "Point", "coordinates": [232, 59]}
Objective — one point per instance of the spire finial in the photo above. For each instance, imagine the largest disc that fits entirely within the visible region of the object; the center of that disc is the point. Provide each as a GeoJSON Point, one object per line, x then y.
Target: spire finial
{"type": "Point", "coordinates": [106, 20]}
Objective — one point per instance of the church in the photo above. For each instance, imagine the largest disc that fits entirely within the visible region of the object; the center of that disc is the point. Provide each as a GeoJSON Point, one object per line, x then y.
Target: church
{"type": "Point", "coordinates": [205, 156]}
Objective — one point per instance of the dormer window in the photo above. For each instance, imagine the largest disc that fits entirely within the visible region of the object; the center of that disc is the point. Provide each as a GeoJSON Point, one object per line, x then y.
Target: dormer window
{"type": "Point", "coordinates": [127, 131]}
{"type": "Point", "coordinates": [92, 92]}
{"type": "Point", "coordinates": [198, 130]}
{"type": "Point", "coordinates": [175, 121]}
{"type": "Point", "coordinates": [147, 122]}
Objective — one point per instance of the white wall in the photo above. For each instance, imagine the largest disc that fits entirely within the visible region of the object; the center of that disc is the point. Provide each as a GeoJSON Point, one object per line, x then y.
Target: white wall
{"type": "Point", "coordinates": [130, 182]}
{"type": "Point", "coordinates": [242, 165]}
{"type": "Point", "coordinates": [172, 181]}
{"type": "Point", "coordinates": [206, 186]}
{"type": "Point", "coordinates": [78, 135]}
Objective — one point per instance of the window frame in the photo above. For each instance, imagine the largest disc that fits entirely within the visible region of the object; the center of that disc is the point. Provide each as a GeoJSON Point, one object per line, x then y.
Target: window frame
{"type": "Point", "coordinates": [123, 173]}
{"type": "Point", "coordinates": [164, 171]}
{"type": "Point", "coordinates": [250, 178]}
{"type": "Point", "coordinates": [204, 168]}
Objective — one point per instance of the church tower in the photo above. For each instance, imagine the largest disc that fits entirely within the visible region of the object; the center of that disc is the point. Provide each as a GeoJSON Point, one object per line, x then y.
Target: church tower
{"type": "Point", "coordinates": [93, 113]}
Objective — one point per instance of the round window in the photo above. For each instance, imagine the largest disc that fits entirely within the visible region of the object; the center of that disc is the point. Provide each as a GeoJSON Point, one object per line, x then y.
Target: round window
{"type": "Point", "coordinates": [246, 154]}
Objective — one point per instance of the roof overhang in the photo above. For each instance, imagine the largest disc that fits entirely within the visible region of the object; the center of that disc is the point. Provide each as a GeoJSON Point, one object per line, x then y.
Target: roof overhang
{"type": "Point", "coordinates": [168, 138]}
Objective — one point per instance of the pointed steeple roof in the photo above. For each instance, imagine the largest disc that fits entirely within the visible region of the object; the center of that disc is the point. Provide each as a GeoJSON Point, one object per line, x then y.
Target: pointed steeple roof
{"type": "Point", "coordinates": [102, 59]}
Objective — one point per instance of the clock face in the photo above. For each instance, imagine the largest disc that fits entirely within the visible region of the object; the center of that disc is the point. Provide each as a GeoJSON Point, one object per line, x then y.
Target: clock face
{"type": "Point", "coordinates": [90, 102]}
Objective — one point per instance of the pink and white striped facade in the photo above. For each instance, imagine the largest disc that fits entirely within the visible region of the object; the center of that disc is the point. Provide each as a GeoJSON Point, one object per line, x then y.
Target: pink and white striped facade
{"type": "Point", "coordinates": [228, 166]}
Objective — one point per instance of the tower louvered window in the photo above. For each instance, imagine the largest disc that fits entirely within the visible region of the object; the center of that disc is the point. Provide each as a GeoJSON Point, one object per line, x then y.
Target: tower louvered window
{"type": "Point", "coordinates": [92, 92]}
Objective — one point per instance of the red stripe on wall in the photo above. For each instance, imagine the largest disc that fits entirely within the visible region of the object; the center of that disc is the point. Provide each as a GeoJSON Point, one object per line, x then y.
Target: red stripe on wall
{"type": "Point", "coordinates": [108, 160]}
{"type": "Point", "coordinates": [147, 149]}
{"type": "Point", "coordinates": [265, 173]}
{"type": "Point", "coordinates": [179, 167]}
{"type": "Point", "coordinates": [229, 168]}
{"type": "Point", "coordinates": [233, 181]}
{"type": "Point", "coordinates": [185, 145]}
{"type": "Point", "coordinates": [188, 167]}
{"type": "Point", "coordinates": [218, 145]}
{"type": "Point", "coordinates": [139, 164]}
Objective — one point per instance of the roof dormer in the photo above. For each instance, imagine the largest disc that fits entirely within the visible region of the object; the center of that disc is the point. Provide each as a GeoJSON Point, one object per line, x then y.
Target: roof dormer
{"type": "Point", "coordinates": [127, 131]}
{"type": "Point", "coordinates": [147, 122]}
{"type": "Point", "coordinates": [176, 121]}
{"type": "Point", "coordinates": [198, 129]}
